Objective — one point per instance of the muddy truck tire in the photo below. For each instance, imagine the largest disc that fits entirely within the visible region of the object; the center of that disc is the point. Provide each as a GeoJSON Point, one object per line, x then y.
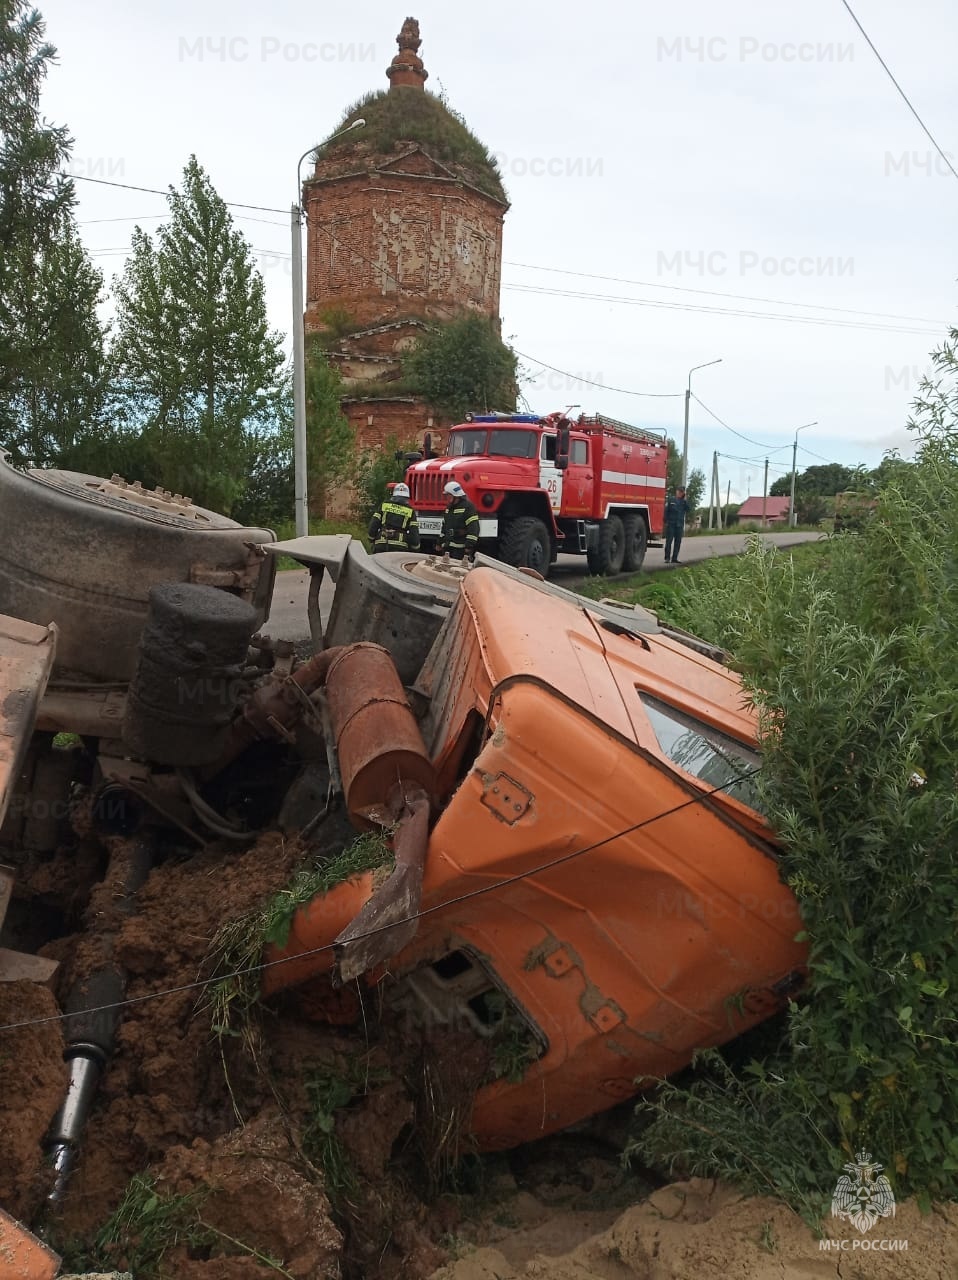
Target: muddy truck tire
{"type": "Point", "coordinates": [398, 599]}
{"type": "Point", "coordinates": [83, 552]}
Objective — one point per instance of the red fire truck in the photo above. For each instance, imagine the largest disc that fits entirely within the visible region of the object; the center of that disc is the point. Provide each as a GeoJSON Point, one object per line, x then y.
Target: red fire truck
{"type": "Point", "coordinates": [590, 486]}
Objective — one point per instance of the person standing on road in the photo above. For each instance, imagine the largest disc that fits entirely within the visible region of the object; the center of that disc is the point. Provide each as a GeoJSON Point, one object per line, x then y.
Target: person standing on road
{"type": "Point", "coordinates": [394, 526]}
{"type": "Point", "coordinates": [676, 509]}
{"type": "Point", "coordinates": [460, 523]}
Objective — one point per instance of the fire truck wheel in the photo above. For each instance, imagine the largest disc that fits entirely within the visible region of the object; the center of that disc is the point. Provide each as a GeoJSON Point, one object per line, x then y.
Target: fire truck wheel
{"type": "Point", "coordinates": [636, 541]}
{"type": "Point", "coordinates": [526, 545]}
{"type": "Point", "coordinates": [610, 553]}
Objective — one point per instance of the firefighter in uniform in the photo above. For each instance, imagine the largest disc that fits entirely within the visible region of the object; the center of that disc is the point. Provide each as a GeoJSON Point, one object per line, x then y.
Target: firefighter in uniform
{"type": "Point", "coordinates": [394, 527]}
{"type": "Point", "coordinates": [460, 523]}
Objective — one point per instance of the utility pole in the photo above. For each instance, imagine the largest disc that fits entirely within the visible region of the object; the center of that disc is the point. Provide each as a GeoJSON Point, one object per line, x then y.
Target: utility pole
{"type": "Point", "coordinates": [792, 514]}
{"type": "Point", "coordinates": [297, 217]}
{"type": "Point", "coordinates": [765, 496]}
{"type": "Point", "coordinates": [685, 437]}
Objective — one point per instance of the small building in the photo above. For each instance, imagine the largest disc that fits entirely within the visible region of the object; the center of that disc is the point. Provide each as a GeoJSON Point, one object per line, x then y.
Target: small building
{"type": "Point", "coordinates": [776, 510]}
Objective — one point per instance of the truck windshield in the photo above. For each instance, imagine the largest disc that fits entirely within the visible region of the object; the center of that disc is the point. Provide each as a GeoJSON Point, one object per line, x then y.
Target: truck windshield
{"type": "Point", "coordinates": [462, 443]}
{"type": "Point", "coordinates": [514, 444]}
{"type": "Point", "coordinates": [501, 443]}
{"type": "Point", "coordinates": [704, 752]}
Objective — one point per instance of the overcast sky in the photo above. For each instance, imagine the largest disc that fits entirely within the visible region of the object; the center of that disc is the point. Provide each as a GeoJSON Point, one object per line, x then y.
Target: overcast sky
{"type": "Point", "coordinates": [686, 152]}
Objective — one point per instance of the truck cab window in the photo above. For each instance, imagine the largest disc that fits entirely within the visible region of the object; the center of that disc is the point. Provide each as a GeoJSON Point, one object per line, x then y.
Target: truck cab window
{"type": "Point", "coordinates": [465, 443]}
{"type": "Point", "coordinates": [513, 444]}
{"type": "Point", "coordinates": [711, 756]}
{"type": "Point", "coordinates": [579, 454]}
{"type": "Point", "coordinates": [547, 451]}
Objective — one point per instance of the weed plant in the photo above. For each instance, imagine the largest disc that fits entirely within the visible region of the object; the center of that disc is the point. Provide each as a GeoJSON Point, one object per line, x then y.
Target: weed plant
{"type": "Point", "coordinates": [850, 663]}
{"type": "Point", "coordinates": [237, 947]}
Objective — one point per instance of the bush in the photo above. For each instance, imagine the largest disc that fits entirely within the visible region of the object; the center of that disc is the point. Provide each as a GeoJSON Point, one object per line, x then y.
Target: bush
{"type": "Point", "coordinates": [851, 666]}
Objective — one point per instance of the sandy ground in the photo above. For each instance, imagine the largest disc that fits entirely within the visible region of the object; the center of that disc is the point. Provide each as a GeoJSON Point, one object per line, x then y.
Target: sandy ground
{"type": "Point", "coordinates": [701, 1230]}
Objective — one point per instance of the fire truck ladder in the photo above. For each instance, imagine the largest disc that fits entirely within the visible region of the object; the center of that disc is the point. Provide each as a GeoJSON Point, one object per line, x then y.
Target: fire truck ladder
{"type": "Point", "coordinates": [599, 422]}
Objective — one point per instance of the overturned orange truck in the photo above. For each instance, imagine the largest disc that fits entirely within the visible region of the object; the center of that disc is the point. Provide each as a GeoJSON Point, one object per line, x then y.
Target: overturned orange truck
{"type": "Point", "coordinates": [597, 871]}
{"type": "Point", "coordinates": [567, 786]}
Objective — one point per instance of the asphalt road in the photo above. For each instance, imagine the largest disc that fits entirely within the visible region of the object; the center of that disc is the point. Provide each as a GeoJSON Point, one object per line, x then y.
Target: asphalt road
{"type": "Point", "coordinates": [287, 618]}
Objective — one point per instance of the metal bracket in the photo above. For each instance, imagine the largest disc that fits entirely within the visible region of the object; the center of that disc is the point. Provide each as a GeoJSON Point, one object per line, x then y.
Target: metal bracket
{"type": "Point", "coordinates": [508, 799]}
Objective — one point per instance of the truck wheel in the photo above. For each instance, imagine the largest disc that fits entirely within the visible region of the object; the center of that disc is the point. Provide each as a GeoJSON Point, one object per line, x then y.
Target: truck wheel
{"type": "Point", "coordinates": [526, 545]}
{"type": "Point", "coordinates": [636, 541]}
{"type": "Point", "coordinates": [610, 553]}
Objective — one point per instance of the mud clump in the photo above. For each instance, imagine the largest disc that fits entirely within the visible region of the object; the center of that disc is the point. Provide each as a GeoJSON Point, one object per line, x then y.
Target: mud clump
{"type": "Point", "coordinates": [262, 1193]}
{"type": "Point", "coordinates": [33, 1079]}
{"type": "Point", "coordinates": [165, 1085]}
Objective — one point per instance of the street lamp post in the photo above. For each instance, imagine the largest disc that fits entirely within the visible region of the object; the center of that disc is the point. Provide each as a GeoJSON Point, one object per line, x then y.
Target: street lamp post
{"type": "Point", "coordinates": [792, 517]}
{"type": "Point", "coordinates": [297, 218]}
{"type": "Point", "coordinates": [685, 438]}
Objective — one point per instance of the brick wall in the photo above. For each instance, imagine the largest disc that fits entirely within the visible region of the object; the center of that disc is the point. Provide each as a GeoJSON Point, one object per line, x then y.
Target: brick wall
{"type": "Point", "coordinates": [393, 243]}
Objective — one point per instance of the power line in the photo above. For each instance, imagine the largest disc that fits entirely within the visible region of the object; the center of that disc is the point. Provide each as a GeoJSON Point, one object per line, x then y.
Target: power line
{"type": "Point", "coordinates": [903, 94]}
{"type": "Point", "coordinates": [714, 293]}
{"type": "Point", "coordinates": [772, 447]}
{"type": "Point", "coordinates": [657, 395]}
{"type": "Point", "coordinates": [715, 311]}
{"type": "Point", "coordinates": [154, 191]}
{"type": "Point", "coordinates": [201, 983]}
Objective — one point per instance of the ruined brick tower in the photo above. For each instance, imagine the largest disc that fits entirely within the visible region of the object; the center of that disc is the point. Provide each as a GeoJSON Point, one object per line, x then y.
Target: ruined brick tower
{"type": "Point", "coordinates": [404, 228]}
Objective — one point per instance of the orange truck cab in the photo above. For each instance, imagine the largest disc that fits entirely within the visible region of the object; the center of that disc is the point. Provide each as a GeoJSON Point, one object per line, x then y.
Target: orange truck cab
{"type": "Point", "coordinates": [600, 893]}
{"type": "Point", "coordinates": [590, 486]}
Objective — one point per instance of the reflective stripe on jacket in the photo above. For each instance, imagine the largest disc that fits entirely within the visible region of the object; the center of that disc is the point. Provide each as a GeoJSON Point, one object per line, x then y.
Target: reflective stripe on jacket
{"type": "Point", "coordinates": [460, 526]}
{"type": "Point", "coordinates": [394, 526]}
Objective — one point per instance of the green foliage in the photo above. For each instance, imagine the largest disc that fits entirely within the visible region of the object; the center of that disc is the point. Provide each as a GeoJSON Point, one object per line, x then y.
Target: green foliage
{"type": "Point", "coordinates": [51, 342]}
{"type": "Point", "coordinates": [405, 114]}
{"type": "Point", "coordinates": [821, 481]}
{"type": "Point", "coordinates": [330, 1087]}
{"type": "Point", "coordinates": [851, 666]}
{"type": "Point", "coordinates": [330, 440]}
{"type": "Point", "coordinates": [196, 365]}
{"type": "Point", "coordinates": [56, 385]}
{"type": "Point", "coordinates": [695, 484]}
{"type": "Point", "coordinates": [811, 508]}
{"type": "Point", "coordinates": [464, 365]}
{"type": "Point", "coordinates": [376, 469]}
{"type": "Point", "coordinates": [237, 948]}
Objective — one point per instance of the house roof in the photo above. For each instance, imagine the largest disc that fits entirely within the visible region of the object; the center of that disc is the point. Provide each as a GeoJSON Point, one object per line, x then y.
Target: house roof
{"type": "Point", "coordinates": [752, 507]}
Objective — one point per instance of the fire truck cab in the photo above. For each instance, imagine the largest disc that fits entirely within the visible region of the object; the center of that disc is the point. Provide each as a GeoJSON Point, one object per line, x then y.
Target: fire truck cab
{"type": "Point", "coordinates": [590, 486]}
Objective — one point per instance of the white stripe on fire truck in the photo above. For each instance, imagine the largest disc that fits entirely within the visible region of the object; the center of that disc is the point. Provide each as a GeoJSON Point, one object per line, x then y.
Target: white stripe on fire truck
{"type": "Point", "coordinates": [623, 477]}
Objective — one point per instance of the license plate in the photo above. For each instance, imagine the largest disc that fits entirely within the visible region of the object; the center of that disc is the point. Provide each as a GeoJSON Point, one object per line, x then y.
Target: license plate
{"type": "Point", "coordinates": [430, 526]}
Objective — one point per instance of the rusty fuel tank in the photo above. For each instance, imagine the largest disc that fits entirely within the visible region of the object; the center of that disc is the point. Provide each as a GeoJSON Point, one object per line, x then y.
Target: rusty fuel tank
{"type": "Point", "coordinates": [377, 739]}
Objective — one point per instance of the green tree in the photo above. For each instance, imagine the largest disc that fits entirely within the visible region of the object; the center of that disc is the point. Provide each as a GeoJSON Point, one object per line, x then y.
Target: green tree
{"type": "Point", "coordinates": [54, 407]}
{"type": "Point", "coordinates": [375, 470]}
{"type": "Point", "coordinates": [694, 485]}
{"type": "Point", "coordinates": [820, 481]}
{"type": "Point", "coordinates": [330, 440]}
{"type": "Point", "coordinates": [196, 364]}
{"type": "Point", "coordinates": [464, 365]}
{"type": "Point", "coordinates": [50, 340]}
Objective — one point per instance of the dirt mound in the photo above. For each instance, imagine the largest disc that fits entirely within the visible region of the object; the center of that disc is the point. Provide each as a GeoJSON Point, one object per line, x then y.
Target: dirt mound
{"type": "Point", "coordinates": [165, 1085]}
{"type": "Point", "coordinates": [702, 1230]}
{"type": "Point", "coordinates": [259, 1195]}
{"type": "Point", "coordinates": [33, 1079]}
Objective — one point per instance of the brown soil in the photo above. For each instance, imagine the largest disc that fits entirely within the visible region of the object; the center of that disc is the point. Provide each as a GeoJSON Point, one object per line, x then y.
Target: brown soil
{"type": "Point", "coordinates": [205, 1116]}
{"type": "Point", "coordinates": [33, 1078]}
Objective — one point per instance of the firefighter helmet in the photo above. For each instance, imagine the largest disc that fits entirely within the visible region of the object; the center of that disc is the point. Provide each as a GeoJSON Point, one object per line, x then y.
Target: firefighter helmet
{"type": "Point", "coordinates": [454, 489]}
{"type": "Point", "coordinates": [401, 491]}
